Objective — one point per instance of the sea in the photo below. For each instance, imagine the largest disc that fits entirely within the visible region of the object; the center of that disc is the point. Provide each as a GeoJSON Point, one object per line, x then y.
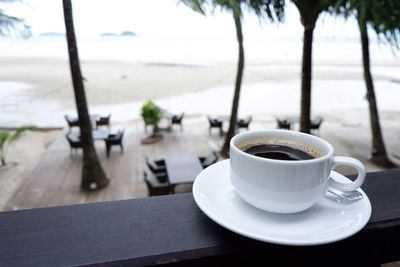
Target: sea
{"type": "Point", "coordinates": [209, 51]}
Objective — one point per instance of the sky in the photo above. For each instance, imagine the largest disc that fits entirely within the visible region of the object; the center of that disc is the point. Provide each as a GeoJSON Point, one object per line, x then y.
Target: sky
{"type": "Point", "coordinates": [162, 18]}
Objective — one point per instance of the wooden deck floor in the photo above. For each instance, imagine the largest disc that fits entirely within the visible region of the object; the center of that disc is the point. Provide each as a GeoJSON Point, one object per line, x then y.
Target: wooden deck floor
{"type": "Point", "coordinates": [56, 179]}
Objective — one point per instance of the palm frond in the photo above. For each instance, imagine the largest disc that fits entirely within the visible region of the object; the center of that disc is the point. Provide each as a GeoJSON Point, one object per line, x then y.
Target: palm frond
{"type": "Point", "coordinates": [10, 24]}
{"type": "Point", "coordinates": [196, 5]}
{"type": "Point", "coordinates": [383, 16]}
{"type": "Point", "coordinates": [18, 132]}
{"type": "Point", "coordinates": [3, 139]}
{"type": "Point", "coordinates": [274, 10]}
{"type": "Point", "coordinates": [7, 23]}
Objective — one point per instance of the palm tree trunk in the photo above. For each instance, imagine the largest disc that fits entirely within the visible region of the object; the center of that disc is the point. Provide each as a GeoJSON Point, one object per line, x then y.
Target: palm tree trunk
{"type": "Point", "coordinates": [93, 176]}
{"type": "Point", "coordinates": [235, 103]}
{"type": "Point", "coordinates": [305, 109]}
{"type": "Point", "coordinates": [379, 155]}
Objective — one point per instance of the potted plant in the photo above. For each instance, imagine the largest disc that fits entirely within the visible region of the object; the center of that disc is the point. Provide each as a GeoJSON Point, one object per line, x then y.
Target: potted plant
{"type": "Point", "coordinates": [7, 137]}
{"type": "Point", "coordinates": [151, 114]}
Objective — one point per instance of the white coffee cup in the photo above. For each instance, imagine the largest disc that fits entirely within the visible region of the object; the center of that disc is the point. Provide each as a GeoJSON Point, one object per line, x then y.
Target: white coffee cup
{"type": "Point", "coordinates": [286, 186]}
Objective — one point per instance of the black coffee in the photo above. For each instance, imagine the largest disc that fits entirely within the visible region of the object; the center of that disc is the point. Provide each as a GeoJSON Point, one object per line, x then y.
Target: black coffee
{"type": "Point", "coordinates": [280, 152]}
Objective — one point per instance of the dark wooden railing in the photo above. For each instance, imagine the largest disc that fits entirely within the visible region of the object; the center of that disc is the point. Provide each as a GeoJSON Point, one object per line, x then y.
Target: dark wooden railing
{"type": "Point", "coordinates": [171, 230]}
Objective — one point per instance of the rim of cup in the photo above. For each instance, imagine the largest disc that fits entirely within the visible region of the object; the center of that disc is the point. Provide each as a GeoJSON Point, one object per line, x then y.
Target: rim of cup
{"type": "Point", "coordinates": [326, 155]}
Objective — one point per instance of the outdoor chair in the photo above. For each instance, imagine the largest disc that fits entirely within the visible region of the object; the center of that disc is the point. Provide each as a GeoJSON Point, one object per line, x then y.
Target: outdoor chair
{"type": "Point", "coordinates": [315, 124]}
{"type": "Point", "coordinates": [74, 141]}
{"type": "Point", "coordinates": [114, 140]}
{"type": "Point", "coordinates": [157, 167]}
{"type": "Point", "coordinates": [283, 124]}
{"type": "Point", "coordinates": [72, 122]}
{"type": "Point", "coordinates": [215, 123]}
{"type": "Point", "coordinates": [103, 121]}
{"type": "Point", "coordinates": [209, 160]}
{"type": "Point", "coordinates": [244, 123]}
{"type": "Point", "coordinates": [177, 119]}
{"type": "Point", "coordinates": [155, 187]}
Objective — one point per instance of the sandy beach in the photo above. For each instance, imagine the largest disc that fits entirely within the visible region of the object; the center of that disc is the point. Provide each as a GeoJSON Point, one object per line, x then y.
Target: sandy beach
{"type": "Point", "coordinates": [39, 91]}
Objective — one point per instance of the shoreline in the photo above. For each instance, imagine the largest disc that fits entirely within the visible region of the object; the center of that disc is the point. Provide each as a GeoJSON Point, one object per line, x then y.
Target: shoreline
{"type": "Point", "coordinates": [43, 92]}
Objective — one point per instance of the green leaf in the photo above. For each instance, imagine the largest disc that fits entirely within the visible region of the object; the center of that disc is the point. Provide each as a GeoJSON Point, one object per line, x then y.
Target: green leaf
{"type": "Point", "coordinates": [151, 113]}
{"type": "Point", "coordinates": [383, 16]}
{"type": "Point", "coordinates": [4, 136]}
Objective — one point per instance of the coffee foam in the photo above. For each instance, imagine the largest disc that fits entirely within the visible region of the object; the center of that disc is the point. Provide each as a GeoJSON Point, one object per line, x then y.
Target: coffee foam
{"type": "Point", "coordinates": [316, 153]}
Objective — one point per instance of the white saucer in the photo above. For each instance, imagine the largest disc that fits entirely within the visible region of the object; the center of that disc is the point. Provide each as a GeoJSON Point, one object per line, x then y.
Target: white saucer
{"type": "Point", "coordinates": [325, 222]}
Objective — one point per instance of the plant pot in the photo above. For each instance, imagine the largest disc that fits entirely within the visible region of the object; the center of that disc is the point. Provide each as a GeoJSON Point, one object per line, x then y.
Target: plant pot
{"type": "Point", "coordinates": [152, 139]}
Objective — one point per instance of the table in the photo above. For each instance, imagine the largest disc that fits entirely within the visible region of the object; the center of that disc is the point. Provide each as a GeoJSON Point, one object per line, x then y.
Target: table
{"type": "Point", "coordinates": [227, 118]}
{"type": "Point", "coordinates": [96, 134]}
{"type": "Point", "coordinates": [167, 116]}
{"type": "Point", "coordinates": [294, 120]}
{"type": "Point", "coordinates": [224, 118]}
{"type": "Point", "coordinates": [93, 118]}
{"type": "Point", "coordinates": [100, 134]}
{"type": "Point", "coordinates": [182, 167]}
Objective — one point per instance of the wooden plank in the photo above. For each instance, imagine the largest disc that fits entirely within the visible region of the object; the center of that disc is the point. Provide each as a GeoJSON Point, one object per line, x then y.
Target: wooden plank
{"type": "Point", "coordinates": [383, 190]}
{"type": "Point", "coordinates": [171, 229]}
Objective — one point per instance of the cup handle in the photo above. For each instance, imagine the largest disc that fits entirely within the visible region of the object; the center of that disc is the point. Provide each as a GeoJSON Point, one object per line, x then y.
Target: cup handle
{"type": "Point", "coordinates": [337, 161]}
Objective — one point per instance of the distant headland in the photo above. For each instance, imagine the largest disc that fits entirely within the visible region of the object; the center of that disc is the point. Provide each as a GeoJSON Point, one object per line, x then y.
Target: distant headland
{"type": "Point", "coordinates": [124, 33]}
{"type": "Point", "coordinates": [104, 34]}
{"type": "Point", "coordinates": [45, 34]}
